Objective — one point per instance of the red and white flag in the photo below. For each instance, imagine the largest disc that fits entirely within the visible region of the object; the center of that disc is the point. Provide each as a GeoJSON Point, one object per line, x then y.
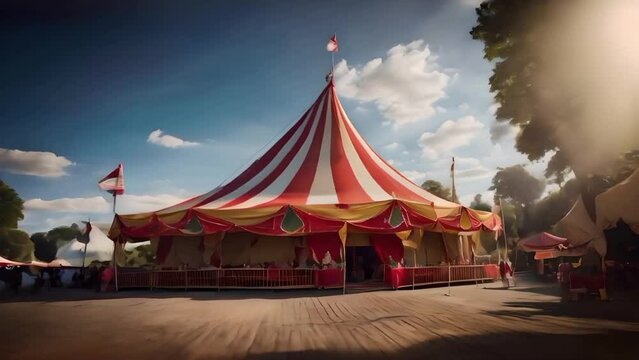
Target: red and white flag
{"type": "Point", "coordinates": [332, 45]}
{"type": "Point", "coordinates": [114, 182]}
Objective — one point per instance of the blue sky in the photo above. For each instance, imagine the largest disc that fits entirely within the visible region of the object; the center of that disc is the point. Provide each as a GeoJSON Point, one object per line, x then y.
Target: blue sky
{"type": "Point", "coordinates": [83, 88]}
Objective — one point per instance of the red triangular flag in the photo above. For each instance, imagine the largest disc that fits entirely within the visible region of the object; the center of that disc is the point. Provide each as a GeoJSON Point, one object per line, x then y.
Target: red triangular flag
{"type": "Point", "coordinates": [114, 182]}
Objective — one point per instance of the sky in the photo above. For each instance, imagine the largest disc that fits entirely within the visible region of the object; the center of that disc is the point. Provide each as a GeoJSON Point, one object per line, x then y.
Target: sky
{"type": "Point", "coordinates": [187, 93]}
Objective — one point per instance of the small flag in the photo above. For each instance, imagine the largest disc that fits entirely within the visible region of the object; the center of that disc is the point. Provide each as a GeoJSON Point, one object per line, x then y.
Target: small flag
{"type": "Point", "coordinates": [114, 182]}
{"type": "Point", "coordinates": [332, 45]}
{"type": "Point", "coordinates": [84, 237]}
{"type": "Point", "coordinates": [329, 77]}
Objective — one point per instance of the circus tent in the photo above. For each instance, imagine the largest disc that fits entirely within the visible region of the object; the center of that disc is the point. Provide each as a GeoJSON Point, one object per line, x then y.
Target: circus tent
{"type": "Point", "coordinates": [320, 177]}
{"type": "Point", "coordinates": [99, 248]}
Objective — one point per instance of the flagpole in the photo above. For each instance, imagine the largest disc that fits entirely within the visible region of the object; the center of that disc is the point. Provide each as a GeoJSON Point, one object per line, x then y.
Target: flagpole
{"type": "Point", "coordinates": [452, 175]}
{"type": "Point", "coordinates": [332, 62]}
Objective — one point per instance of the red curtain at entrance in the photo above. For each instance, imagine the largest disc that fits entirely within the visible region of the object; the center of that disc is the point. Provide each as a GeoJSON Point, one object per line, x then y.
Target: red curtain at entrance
{"type": "Point", "coordinates": [323, 242]}
{"type": "Point", "coordinates": [387, 245]}
{"type": "Point", "coordinates": [164, 247]}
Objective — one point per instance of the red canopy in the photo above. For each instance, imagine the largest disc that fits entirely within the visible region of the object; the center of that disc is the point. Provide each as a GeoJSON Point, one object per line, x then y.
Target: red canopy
{"type": "Point", "coordinates": [541, 242]}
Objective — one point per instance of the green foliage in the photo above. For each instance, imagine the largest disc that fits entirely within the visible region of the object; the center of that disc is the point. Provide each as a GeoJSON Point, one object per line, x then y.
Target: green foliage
{"type": "Point", "coordinates": [545, 213]}
{"type": "Point", "coordinates": [516, 184]}
{"type": "Point", "coordinates": [436, 188]}
{"type": "Point", "coordinates": [62, 234]}
{"type": "Point", "coordinates": [553, 79]}
{"type": "Point", "coordinates": [477, 204]}
{"type": "Point", "coordinates": [141, 255]}
{"type": "Point", "coordinates": [15, 245]}
{"type": "Point", "coordinates": [11, 206]}
{"type": "Point", "coordinates": [45, 247]}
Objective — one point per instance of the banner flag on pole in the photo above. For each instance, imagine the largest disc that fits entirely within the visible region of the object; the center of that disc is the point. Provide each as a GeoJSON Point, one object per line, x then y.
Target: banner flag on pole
{"type": "Point", "coordinates": [332, 45]}
{"type": "Point", "coordinates": [114, 182]}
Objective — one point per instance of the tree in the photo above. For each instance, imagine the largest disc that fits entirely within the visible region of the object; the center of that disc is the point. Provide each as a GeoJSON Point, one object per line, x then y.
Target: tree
{"type": "Point", "coordinates": [436, 188]}
{"type": "Point", "coordinates": [516, 183]}
{"type": "Point", "coordinates": [11, 206]}
{"type": "Point", "coordinates": [477, 204]}
{"type": "Point", "coordinates": [15, 245]}
{"type": "Point", "coordinates": [545, 213]}
{"type": "Point", "coordinates": [62, 234]}
{"type": "Point", "coordinates": [45, 248]}
{"type": "Point", "coordinates": [562, 76]}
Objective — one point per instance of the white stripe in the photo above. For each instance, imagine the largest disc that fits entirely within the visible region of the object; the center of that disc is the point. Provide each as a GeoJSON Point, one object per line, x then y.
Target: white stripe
{"type": "Point", "coordinates": [323, 188]}
{"type": "Point", "coordinates": [278, 185]}
{"type": "Point", "coordinates": [112, 182]}
{"type": "Point", "coordinates": [362, 175]}
{"type": "Point", "coordinates": [392, 172]}
{"type": "Point", "coordinates": [254, 180]}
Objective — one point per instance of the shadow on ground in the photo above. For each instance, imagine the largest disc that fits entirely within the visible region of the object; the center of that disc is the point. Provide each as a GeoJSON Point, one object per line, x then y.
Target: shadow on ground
{"type": "Point", "coordinates": [514, 345]}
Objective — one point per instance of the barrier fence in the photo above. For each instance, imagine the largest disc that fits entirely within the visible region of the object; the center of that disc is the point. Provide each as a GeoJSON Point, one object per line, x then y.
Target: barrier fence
{"type": "Point", "coordinates": [249, 278]}
{"type": "Point", "coordinates": [427, 275]}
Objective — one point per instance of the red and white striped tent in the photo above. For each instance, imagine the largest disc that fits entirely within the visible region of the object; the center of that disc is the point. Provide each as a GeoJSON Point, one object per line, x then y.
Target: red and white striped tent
{"type": "Point", "coordinates": [320, 176]}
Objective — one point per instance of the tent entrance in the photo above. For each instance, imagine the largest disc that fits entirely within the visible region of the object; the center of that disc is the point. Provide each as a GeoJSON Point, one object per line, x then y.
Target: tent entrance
{"type": "Point", "coordinates": [363, 265]}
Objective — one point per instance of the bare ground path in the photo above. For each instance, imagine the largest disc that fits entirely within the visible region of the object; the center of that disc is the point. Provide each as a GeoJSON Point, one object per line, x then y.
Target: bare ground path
{"type": "Point", "coordinates": [476, 322]}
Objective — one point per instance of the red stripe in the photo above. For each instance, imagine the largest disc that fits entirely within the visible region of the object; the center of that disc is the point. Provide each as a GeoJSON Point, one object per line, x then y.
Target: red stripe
{"type": "Point", "coordinates": [268, 180]}
{"type": "Point", "coordinates": [348, 189]}
{"type": "Point", "coordinates": [263, 161]}
{"type": "Point", "coordinates": [297, 192]}
{"type": "Point", "coordinates": [388, 183]}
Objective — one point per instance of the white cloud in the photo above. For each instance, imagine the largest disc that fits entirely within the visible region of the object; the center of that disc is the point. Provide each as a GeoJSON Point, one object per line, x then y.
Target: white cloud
{"type": "Point", "coordinates": [96, 204]}
{"type": "Point", "coordinates": [36, 163]}
{"type": "Point", "coordinates": [126, 203]}
{"type": "Point", "coordinates": [501, 130]}
{"type": "Point", "coordinates": [463, 107]}
{"type": "Point", "coordinates": [415, 176]}
{"type": "Point", "coordinates": [471, 3]}
{"type": "Point", "coordinates": [450, 135]}
{"type": "Point", "coordinates": [159, 138]}
{"type": "Point", "coordinates": [392, 146]}
{"type": "Point", "coordinates": [404, 86]}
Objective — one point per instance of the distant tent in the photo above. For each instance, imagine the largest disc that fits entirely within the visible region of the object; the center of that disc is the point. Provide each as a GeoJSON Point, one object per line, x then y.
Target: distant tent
{"type": "Point", "coordinates": [540, 242]}
{"type": "Point", "coordinates": [99, 248]}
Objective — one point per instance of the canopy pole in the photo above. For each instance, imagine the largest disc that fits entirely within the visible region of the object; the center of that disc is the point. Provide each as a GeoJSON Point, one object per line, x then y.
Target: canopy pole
{"type": "Point", "coordinates": [448, 280]}
{"type": "Point", "coordinates": [84, 256]}
{"type": "Point", "coordinates": [115, 249]}
{"type": "Point", "coordinates": [503, 229]}
{"type": "Point", "coordinates": [344, 268]}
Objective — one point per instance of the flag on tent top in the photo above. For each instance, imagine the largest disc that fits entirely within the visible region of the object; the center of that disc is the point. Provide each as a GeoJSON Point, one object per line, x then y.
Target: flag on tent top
{"type": "Point", "coordinates": [332, 45]}
{"type": "Point", "coordinates": [114, 182]}
{"type": "Point", "coordinates": [84, 237]}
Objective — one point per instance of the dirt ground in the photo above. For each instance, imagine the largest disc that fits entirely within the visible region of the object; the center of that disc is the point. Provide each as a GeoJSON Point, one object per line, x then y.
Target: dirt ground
{"type": "Point", "coordinates": [475, 322]}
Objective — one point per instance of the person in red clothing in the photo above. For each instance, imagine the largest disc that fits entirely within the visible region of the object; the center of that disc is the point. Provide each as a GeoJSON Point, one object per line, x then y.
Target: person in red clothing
{"type": "Point", "coordinates": [106, 277]}
{"type": "Point", "coordinates": [505, 271]}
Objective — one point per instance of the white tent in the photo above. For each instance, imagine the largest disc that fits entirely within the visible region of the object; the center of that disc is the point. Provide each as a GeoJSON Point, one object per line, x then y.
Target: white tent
{"type": "Point", "coordinates": [580, 230]}
{"type": "Point", "coordinates": [99, 248]}
{"type": "Point", "coordinates": [620, 202]}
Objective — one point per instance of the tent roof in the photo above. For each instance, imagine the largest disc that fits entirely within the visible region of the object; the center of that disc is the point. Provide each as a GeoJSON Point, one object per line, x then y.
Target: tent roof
{"type": "Point", "coordinates": [322, 172]}
{"type": "Point", "coordinates": [540, 242]}
{"type": "Point", "coordinates": [620, 202]}
{"type": "Point", "coordinates": [321, 159]}
{"type": "Point", "coordinates": [99, 248]}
